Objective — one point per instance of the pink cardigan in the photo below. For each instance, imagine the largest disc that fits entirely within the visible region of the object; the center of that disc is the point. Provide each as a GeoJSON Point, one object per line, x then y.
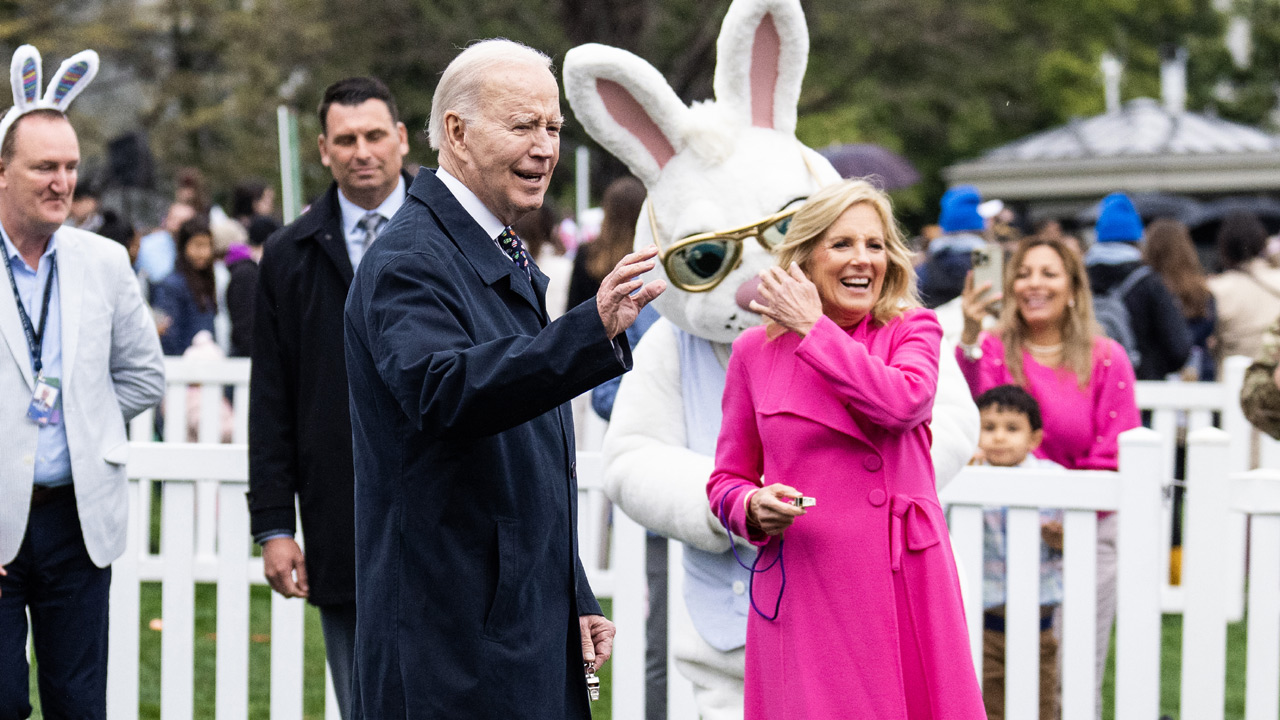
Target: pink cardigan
{"type": "Point", "coordinates": [1081, 425]}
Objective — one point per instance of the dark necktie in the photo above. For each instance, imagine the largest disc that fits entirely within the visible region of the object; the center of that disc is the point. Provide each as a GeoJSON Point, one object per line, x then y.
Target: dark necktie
{"type": "Point", "coordinates": [514, 248]}
{"type": "Point", "coordinates": [372, 224]}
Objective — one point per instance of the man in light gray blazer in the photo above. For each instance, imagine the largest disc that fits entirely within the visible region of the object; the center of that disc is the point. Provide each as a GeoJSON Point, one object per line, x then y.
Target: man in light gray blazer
{"type": "Point", "coordinates": [79, 357]}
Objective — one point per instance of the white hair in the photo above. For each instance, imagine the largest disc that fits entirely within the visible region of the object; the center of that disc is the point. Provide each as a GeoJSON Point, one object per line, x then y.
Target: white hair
{"type": "Point", "coordinates": [461, 86]}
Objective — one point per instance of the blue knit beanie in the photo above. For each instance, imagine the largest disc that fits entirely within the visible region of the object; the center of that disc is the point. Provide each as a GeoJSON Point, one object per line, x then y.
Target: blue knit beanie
{"type": "Point", "coordinates": [1118, 221]}
{"type": "Point", "coordinates": [960, 210]}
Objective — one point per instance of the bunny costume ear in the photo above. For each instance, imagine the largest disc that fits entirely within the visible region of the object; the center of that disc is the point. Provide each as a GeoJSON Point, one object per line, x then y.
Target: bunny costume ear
{"type": "Point", "coordinates": [626, 105]}
{"type": "Point", "coordinates": [761, 56]}
{"type": "Point", "coordinates": [73, 76]}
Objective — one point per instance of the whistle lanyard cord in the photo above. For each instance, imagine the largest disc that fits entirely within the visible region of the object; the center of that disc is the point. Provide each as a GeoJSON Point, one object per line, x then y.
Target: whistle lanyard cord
{"type": "Point", "coordinates": [35, 335]}
{"type": "Point", "coordinates": [751, 584]}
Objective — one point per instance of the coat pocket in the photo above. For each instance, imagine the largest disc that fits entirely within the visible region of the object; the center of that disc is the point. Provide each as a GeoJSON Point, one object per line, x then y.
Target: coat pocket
{"type": "Point", "coordinates": [117, 454]}
{"type": "Point", "coordinates": [502, 609]}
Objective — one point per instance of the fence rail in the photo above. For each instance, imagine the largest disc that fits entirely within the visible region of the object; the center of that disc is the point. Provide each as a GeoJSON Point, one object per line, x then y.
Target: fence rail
{"type": "Point", "coordinates": [204, 538]}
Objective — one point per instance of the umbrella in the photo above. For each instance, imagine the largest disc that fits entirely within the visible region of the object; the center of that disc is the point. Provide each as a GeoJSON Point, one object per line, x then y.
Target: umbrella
{"type": "Point", "coordinates": [1151, 205]}
{"type": "Point", "coordinates": [1211, 214]}
{"type": "Point", "coordinates": [892, 171]}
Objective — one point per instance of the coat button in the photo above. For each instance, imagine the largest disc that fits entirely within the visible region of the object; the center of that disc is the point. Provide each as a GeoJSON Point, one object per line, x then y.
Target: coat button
{"type": "Point", "coordinates": [28, 459]}
{"type": "Point", "coordinates": [739, 587]}
{"type": "Point", "coordinates": [872, 463]}
{"type": "Point", "coordinates": [573, 469]}
{"type": "Point", "coordinates": [876, 497]}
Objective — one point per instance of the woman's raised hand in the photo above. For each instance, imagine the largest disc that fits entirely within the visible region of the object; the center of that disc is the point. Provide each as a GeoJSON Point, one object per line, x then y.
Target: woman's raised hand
{"type": "Point", "coordinates": [976, 303]}
{"type": "Point", "coordinates": [792, 299]}
{"type": "Point", "coordinates": [769, 509]}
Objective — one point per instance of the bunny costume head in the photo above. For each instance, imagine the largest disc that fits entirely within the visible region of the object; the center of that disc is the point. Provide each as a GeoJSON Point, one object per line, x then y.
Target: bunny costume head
{"type": "Point", "coordinates": [716, 166]}
{"type": "Point", "coordinates": [75, 73]}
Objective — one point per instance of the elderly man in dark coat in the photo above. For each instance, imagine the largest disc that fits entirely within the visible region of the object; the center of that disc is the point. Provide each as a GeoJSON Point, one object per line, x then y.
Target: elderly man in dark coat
{"type": "Point", "coordinates": [471, 599]}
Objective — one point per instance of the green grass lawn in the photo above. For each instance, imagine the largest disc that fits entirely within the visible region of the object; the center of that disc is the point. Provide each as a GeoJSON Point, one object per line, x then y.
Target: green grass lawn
{"type": "Point", "coordinates": [259, 658]}
{"type": "Point", "coordinates": [313, 704]}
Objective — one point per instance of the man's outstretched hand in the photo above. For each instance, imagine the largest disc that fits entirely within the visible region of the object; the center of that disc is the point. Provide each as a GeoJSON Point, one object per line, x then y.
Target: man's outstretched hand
{"type": "Point", "coordinates": [617, 306]}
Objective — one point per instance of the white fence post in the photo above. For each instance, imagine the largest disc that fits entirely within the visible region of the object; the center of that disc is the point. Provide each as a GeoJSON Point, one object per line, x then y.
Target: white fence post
{"type": "Point", "coordinates": [122, 634]}
{"type": "Point", "coordinates": [1204, 630]}
{"type": "Point", "coordinates": [232, 693]}
{"type": "Point", "coordinates": [627, 560]}
{"type": "Point", "coordinates": [1258, 492]}
{"type": "Point", "coordinates": [177, 650]}
{"type": "Point", "coordinates": [1139, 570]}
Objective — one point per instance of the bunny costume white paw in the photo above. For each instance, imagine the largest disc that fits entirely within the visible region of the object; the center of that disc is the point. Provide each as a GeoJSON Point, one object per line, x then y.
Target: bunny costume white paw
{"type": "Point", "coordinates": [713, 166]}
{"type": "Point", "coordinates": [74, 75]}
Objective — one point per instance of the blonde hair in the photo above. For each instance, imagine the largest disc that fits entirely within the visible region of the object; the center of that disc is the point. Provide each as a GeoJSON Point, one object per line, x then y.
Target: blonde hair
{"type": "Point", "coordinates": [461, 87]}
{"type": "Point", "coordinates": [810, 224]}
{"type": "Point", "coordinates": [1079, 329]}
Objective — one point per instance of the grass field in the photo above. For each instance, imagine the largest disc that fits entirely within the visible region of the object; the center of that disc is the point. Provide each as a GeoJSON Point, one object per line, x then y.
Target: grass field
{"type": "Point", "coordinates": [260, 648]}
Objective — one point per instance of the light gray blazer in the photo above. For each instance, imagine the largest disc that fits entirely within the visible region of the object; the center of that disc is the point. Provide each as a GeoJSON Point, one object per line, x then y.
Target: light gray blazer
{"type": "Point", "coordinates": [112, 370]}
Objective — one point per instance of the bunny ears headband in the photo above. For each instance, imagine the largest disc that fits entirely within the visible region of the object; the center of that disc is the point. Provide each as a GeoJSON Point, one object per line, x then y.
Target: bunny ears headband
{"type": "Point", "coordinates": [73, 76]}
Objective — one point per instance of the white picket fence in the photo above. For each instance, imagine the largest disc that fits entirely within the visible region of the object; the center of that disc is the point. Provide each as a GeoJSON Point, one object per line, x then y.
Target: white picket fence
{"type": "Point", "coordinates": [205, 538]}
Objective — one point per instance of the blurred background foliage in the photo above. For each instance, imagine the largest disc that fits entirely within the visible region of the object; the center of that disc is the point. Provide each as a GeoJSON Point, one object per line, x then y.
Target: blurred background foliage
{"type": "Point", "coordinates": [937, 80]}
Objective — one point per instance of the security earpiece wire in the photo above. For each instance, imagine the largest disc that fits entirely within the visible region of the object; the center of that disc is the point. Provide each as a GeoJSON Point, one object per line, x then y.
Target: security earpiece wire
{"type": "Point", "coordinates": [751, 581]}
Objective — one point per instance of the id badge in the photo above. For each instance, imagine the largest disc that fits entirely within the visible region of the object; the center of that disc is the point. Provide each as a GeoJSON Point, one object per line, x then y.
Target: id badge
{"type": "Point", "coordinates": [46, 408]}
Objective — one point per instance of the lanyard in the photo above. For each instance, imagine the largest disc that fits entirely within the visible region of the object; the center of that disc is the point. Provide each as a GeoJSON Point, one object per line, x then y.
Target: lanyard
{"type": "Point", "coordinates": [35, 336]}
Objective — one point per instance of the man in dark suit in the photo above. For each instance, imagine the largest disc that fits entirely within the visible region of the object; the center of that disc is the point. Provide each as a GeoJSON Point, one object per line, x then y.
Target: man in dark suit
{"type": "Point", "coordinates": [299, 423]}
{"type": "Point", "coordinates": [472, 600]}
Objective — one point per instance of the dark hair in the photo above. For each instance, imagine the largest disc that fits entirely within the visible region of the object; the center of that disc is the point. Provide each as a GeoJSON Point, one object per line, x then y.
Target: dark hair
{"type": "Point", "coordinates": [84, 189]}
{"type": "Point", "coordinates": [1012, 398]}
{"type": "Point", "coordinates": [243, 197]}
{"type": "Point", "coordinates": [116, 227]}
{"type": "Point", "coordinates": [1168, 251]}
{"type": "Point", "coordinates": [354, 91]}
{"type": "Point", "coordinates": [10, 143]}
{"type": "Point", "coordinates": [199, 282]}
{"type": "Point", "coordinates": [621, 204]}
{"type": "Point", "coordinates": [260, 228]}
{"type": "Point", "coordinates": [1241, 238]}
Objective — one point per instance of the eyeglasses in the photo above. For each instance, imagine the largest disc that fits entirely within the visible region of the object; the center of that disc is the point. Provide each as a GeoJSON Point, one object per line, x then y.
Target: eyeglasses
{"type": "Point", "coordinates": [698, 263]}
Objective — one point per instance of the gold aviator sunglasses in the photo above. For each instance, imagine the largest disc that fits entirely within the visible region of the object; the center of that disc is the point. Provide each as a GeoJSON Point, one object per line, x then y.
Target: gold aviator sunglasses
{"type": "Point", "coordinates": [698, 263]}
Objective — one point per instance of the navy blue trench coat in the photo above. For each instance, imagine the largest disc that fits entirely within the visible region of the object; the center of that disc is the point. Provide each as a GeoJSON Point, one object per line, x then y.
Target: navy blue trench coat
{"type": "Point", "coordinates": [468, 582]}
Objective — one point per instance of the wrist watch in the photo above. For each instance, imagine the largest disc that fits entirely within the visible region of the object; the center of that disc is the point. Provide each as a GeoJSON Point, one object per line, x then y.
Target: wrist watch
{"type": "Point", "coordinates": [972, 353]}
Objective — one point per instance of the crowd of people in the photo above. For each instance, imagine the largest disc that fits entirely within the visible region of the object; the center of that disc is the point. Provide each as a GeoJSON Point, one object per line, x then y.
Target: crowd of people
{"type": "Point", "coordinates": [435, 325]}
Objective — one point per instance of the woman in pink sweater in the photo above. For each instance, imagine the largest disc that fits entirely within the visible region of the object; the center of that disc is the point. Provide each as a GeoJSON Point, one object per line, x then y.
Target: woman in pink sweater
{"type": "Point", "coordinates": [1048, 342]}
{"type": "Point", "coordinates": [859, 615]}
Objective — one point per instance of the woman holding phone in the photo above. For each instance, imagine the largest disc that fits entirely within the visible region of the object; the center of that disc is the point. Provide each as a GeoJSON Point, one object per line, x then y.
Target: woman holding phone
{"type": "Point", "coordinates": [857, 604]}
{"type": "Point", "coordinates": [1048, 342]}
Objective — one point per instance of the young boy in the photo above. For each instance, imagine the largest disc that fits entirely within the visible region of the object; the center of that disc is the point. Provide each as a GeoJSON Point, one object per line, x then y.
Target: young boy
{"type": "Point", "coordinates": [1010, 431]}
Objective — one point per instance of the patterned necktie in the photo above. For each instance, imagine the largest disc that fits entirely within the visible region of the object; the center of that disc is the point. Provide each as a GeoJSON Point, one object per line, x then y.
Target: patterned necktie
{"type": "Point", "coordinates": [372, 224]}
{"type": "Point", "coordinates": [514, 248]}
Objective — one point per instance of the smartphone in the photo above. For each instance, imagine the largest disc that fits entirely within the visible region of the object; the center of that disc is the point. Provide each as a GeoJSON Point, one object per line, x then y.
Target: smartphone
{"type": "Point", "coordinates": [988, 267]}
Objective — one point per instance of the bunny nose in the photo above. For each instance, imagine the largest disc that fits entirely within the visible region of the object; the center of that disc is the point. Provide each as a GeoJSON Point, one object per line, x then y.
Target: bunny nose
{"type": "Point", "coordinates": [748, 291]}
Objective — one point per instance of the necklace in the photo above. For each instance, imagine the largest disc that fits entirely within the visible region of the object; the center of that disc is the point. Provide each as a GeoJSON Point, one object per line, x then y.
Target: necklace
{"type": "Point", "coordinates": [1044, 349]}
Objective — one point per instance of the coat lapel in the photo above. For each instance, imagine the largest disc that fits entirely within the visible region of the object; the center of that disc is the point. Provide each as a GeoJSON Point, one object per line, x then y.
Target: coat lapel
{"type": "Point", "coordinates": [71, 297]}
{"type": "Point", "coordinates": [11, 330]}
{"type": "Point", "coordinates": [472, 241]}
{"type": "Point", "coordinates": [325, 225]}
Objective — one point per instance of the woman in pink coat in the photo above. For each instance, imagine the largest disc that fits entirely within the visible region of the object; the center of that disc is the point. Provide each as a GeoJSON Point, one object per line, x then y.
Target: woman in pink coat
{"type": "Point", "coordinates": [858, 610]}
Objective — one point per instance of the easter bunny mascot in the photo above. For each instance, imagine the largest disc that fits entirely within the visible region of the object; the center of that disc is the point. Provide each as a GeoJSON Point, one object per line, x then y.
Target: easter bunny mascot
{"type": "Point", "coordinates": [709, 167]}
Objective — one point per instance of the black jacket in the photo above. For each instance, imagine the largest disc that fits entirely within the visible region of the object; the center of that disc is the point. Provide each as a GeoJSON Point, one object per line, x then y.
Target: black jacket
{"type": "Point", "coordinates": [299, 421]}
{"type": "Point", "coordinates": [1158, 326]}
{"type": "Point", "coordinates": [469, 586]}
